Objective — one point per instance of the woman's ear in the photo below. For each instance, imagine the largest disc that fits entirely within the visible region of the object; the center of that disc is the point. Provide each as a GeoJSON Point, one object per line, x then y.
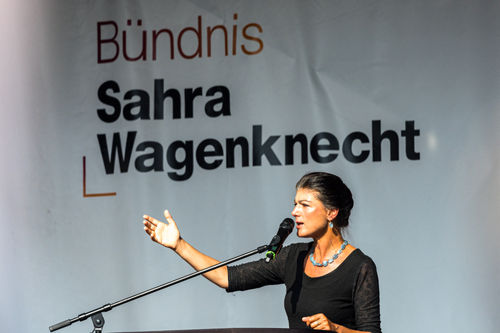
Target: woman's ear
{"type": "Point", "coordinates": [331, 214]}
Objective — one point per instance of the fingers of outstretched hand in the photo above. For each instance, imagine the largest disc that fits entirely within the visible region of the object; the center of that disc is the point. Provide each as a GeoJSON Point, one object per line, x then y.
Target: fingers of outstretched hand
{"type": "Point", "coordinates": [150, 225]}
{"type": "Point", "coordinates": [150, 221]}
{"type": "Point", "coordinates": [168, 217]}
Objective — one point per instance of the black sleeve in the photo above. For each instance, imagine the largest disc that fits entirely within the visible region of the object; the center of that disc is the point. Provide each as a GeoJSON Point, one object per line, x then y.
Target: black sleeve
{"type": "Point", "coordinates": [366, 299]}
{"type": "Point", "coordinates": [258, 273]}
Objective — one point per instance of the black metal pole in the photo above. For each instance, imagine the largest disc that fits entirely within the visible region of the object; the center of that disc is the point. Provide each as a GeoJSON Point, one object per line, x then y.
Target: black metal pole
{"type": "Point", "coordinates": [109, 306]}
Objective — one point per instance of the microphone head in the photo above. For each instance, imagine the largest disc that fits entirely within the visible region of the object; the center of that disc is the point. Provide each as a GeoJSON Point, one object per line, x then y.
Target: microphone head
{"type": "Point", "coordinates": [284, 230]}
{"type": "Point", "coordinates": [287, 224]}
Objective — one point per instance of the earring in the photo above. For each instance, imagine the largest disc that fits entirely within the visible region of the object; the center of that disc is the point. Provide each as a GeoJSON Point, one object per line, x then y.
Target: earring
{"type": "Point", "coordinates": [330, 224]}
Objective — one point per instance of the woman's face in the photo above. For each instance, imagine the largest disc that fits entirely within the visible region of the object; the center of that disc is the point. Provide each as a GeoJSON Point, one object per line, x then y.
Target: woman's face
{"type": "Point", "coordinates": [311, 216]}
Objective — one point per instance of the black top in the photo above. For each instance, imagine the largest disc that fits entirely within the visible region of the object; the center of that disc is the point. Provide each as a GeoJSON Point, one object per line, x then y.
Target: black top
{"type": "Point", "coordinates": [349, 295]}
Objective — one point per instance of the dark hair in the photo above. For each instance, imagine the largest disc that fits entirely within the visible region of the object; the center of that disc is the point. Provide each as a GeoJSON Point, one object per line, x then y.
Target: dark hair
{"type": "Point", "coordinates": [332, 192]}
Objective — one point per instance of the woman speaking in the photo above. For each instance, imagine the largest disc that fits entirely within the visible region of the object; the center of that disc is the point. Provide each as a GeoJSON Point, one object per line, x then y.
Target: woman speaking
{"type": "Point", "coordinates": [330, 284]}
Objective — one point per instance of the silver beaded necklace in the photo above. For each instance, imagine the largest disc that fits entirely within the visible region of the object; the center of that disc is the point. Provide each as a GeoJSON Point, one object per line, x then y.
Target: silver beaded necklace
{"type": "Point", "coordinates": [329, 261]}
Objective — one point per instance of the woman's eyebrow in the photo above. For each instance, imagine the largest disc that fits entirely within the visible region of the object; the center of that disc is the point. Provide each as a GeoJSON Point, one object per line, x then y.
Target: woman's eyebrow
{"type": "Point", "coordinates": [303, 200]}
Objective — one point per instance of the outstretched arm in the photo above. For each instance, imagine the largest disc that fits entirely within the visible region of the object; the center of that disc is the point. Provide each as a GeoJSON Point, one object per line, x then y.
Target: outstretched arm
{"type": "Point", "coordinates": [168, 235]}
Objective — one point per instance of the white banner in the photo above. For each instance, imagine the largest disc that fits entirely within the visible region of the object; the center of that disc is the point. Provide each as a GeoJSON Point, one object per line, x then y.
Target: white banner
{"type": "Point", "coordinates": [214, 109]}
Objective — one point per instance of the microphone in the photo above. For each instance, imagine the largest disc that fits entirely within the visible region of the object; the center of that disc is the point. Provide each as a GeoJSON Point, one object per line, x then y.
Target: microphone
{"type": "Point", "coordinates": [276, 243]}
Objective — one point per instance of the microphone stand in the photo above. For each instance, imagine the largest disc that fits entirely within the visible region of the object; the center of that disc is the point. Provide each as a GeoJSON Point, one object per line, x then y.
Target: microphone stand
{"type": "Point", "coordinates": [96, 314]}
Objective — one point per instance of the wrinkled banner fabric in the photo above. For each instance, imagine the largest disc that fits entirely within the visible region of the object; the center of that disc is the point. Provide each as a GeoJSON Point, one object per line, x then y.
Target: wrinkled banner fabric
{"type": "Point", "coordinates": [214, 110]}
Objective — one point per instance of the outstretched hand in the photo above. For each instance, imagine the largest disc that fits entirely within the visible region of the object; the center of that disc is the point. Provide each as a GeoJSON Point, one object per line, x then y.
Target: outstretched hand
{"type": "Point", "coordinates": [166, 234]}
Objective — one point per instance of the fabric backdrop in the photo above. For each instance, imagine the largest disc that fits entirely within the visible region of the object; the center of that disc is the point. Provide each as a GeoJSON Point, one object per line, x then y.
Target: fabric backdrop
{"type": "Point", "coordinates": [214, 109]}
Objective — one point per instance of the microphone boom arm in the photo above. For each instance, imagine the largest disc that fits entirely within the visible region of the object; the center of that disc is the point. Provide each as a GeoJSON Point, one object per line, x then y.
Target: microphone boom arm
{"type": "Point", "coordinates": [96, 314]}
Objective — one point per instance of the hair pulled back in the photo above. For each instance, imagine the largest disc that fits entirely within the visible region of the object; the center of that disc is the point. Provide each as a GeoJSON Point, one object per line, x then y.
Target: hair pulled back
{"type": "Point", "coordinates": [332, 192]}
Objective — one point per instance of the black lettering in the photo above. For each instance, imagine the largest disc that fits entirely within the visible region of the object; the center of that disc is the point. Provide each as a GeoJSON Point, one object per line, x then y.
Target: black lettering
{"type": "Point", "coordinates": [189, 96]}
{"type": "Point", "coordinates": [332, 144]}
{"type": "Point", "coordinates": [409, 133]}
{"type": "Point", "coordinates": [187, 162]}
{"type": "Point", "coordinates": [202, 153]}
{"type": "Point", "coordinates": [260, 149]}
{"type": "Point", "coordinates": [116, 149]}
{"type": "Point", "coordinates": [224, 102]}
{"type": "Point", "coordinates": [156, 156]}
{"type": "Point", "coordinates": [142, 104]}
{"type": "Point", "coordinates": [290, 141]}
{"type": "Point", "coordinates": [347, 147]}
{"type": "Point", "coordinates": [377, 138]}
{"type": "Point", "coordinates": [102, 94]}
{"type": "Point", "coordinates": [161, 95]}
{"type": "Point", "coordinates": [231, 144]}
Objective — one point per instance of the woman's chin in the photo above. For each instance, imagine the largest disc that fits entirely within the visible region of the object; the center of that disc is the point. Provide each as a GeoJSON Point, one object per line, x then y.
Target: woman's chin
{"type": "Point", "coordinates": [301, 233]}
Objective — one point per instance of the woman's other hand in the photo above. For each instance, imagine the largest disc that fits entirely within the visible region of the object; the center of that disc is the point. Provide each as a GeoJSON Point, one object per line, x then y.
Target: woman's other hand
{"type": "Point", "coordinates": [320, 322]}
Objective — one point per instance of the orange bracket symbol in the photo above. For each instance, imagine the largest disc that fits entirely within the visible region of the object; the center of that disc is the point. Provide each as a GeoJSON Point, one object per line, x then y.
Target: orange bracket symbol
{"type": "Point", "coordinates": [88, 195]}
